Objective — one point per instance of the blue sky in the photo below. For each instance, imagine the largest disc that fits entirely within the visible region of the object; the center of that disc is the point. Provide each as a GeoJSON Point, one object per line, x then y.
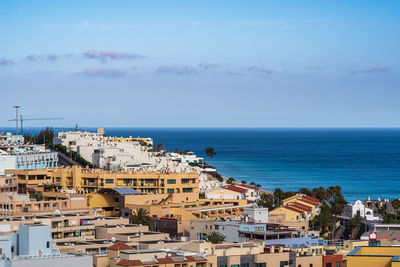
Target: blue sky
{"type": "Point", "coordinates": [201, 63]}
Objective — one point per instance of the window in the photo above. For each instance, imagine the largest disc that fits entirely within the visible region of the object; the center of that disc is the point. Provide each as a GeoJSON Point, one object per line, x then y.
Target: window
{"type": "Point", "coordinates": [329, 265]}
{"type": "Point", "coordinates": [171, 181]}
{"type": "Point", "coordinates": [170, 191]}
{"type": "Point", "coordinates": [12, 249]}
{"type": "Point", "coordinates": [284, 263]}
{"type": "Point", "coordinates": [210, 265]}
{"type": "Point", "coordinates": [311, 265]}
{"type": "Point", "coordinates": [217, 227]}
{"type": "Point", "coordinates": [48, 244]}
{"type": "Point", "coordinates": [109, 181]}
{"type": "Point", "coordinates": [222, 266]}
{"type": "Point", "coordinates": [185, 181]}
{"type": "Point", "coordinates": [58, 179]}
{"type": "Point", "coordinates": [235, 265]}
{"type": "Point", "coordinates": [263, 264]}
{"type": "Point", "coordinates": [244, 265]}
{"type": "Point", "coordinates": [337, 264]}
{"type": "Point", "coordinates": [187, 190]}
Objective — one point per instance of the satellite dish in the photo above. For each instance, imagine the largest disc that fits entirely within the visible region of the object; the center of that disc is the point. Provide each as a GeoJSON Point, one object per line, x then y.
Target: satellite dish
{"type": "Point", "coordinates": [113, 239]}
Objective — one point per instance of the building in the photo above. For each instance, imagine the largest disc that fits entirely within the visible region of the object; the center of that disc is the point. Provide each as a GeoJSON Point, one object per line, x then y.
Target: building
{"type": "Point", "coordinates": [76, 178]}
{"type": "Point", "coordinates": [14, 154]}
{"type": "Point", "coordinates": [304, 200]}
{"type": "Point", "coordinates": [8, 184]}
{"type": "Point", "coordinates": [365, 256]}
{"type": "Point", "coordinates": [383, 232]}
{"type": "Point", "coordinates": [242, 254]}
{"type": "Point", "coordinates": [332, 260]}
{"type": "Point", "coordinates": [33, 246]}
{"type": "Point", "coordinates": [359, 208]}
{"type": "Point", "coordinates": [299, 242]}
{"type": "Point", "coordinates": [234, 192]}
{"type": "Point", "coordinates": [13, 204]}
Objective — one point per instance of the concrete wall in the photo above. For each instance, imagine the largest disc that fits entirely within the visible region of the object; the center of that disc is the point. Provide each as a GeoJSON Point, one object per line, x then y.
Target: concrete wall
{"type": "Point", "coordinates": [81, 261]}
{"type": "Point", "coordinates": [33, 239]}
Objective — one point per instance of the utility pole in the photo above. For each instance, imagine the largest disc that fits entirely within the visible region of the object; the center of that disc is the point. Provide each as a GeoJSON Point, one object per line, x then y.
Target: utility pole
{"type": "Point", "coordinates": [16, 119]}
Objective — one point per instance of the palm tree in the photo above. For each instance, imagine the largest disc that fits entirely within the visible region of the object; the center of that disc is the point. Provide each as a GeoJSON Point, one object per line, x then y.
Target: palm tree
{"type": "Point", "coordinates": [160, 146]}
{"type": "Point", "coordinates": [258, 185]}
{"type": "Point", "coordinates": [253, 183]}
{"type": "Point", "coordinates": [215, 237]}
{"type": "Point", "coordinates": [243, 182]}
{"type": "Point", "coordinates": [210, 153]}
{"type": "Point", "coordinates": [141, 216]}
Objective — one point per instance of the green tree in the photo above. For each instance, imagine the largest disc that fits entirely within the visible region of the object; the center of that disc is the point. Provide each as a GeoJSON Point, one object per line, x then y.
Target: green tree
{"type": "Point", "coordinates": [36, 195]}
{"type": "Point", "coordinates": [258, 185]}
{"type": "Point", "coordinates": [215, 237]}
{"type": "Point", "coordinates": [141, 216]}
{"type": "Point", "coordinates": [305, 191]}
{"type": "Point", "coordinates": [230, 180]}
{"type": "Point", "coordinates": [279, 195]}
{"type": "Point", "coordinates": [253, 183]}
{"type": "Point", "coordinates": [396, 204]}
{"type": "Point", "coordinates": [266, 201]}
{"type": "Point", "coordinates": [210, 153]}
{"type": "Point", "coordinates": [243, 182]}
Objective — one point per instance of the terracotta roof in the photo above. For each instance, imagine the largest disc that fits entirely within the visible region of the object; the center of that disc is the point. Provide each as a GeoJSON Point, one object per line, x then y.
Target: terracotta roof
{"type": "Point", "coordinates": [248, 186]}
{"type": "Point", "coordinates": [235, 189]}
{"type": "Point", "coordinates": [130, 263]}
{"type": "Point", "coordinates": [120, 246]}
{"type": "Point", "coordinates": [313, 199]}
{"type": "Point", "coordinates": [293, 209]}
{"type": "Point", "coordinates": [300, 206]}
{"type": "Point", "coordinates": [309, 201]}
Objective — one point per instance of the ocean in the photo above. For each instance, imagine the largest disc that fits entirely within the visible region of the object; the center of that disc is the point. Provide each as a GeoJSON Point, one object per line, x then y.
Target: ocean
{"type": "Point", "coordinates": [364, 162]}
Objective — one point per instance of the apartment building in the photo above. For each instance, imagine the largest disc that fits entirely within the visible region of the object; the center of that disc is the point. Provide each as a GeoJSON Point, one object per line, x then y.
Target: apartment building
{"type": "Point", "coordinates": [366, 256]}
{"type": "Point", "coordinates": [76, 178]}
{"type": "Point", "coordinates": [8, 184]}
{"type": "Point", "coordinates": [22, 156]}
{"type": "Point", "coordinates": [32, 246]}
{"type": "Point", "coordinates": [239, 191]}
{"type": "Point", "coordinates": [13, 204]}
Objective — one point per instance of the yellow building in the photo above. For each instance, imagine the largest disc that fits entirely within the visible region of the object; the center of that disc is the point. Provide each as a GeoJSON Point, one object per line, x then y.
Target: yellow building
{"type": "Point", "coordinates": [374, 257]}
{"type": "Point", "coordinates": [304, 200]}
{"type": "Point", "coordinates": [77, 179]}
{"type": "Point", "coordinates": [291, 214]}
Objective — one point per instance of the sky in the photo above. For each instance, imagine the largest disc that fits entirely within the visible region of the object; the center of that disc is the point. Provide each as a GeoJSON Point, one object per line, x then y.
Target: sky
{"type": "Point", "coordinates": [201, 63]}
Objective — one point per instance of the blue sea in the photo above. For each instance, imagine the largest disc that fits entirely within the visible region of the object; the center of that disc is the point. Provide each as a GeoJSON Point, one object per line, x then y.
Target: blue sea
{"type": "Point", "coordinates": [364, 162]}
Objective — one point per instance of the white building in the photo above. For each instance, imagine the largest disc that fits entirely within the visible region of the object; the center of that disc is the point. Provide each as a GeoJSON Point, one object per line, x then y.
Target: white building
{"type": "Point", "coordinates": [116, 153]}
{"type": "Point", "coordinates": [238, 191]}
{"type": "Point", "coordinates": [359, 207]}
{"type": "Point", "coordinates": [256, 215]}
{"type": "Point", "coordinates": [16, 155]}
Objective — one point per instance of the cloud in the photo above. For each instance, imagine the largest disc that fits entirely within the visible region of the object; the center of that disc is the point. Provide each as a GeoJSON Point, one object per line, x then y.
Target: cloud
{"type": "Point", "coordinates": [42, 58]}
{"type": "Point", "coordinates": [101, 72]}
{"type": "Point", "coordinates": [375, 69]}
{"type": "Point", "coordinates": [181, 70]}
{"type": "Point", "coordinates": [6, 62]}
{"type": "Point", "coordinates": [313, 68]}
{"type": "Point", "coordinates": [207, 66]}
{"type": "Point", "coordinates": [260, 69]}
{"type": "Point", "coordinates": [105, 55]}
